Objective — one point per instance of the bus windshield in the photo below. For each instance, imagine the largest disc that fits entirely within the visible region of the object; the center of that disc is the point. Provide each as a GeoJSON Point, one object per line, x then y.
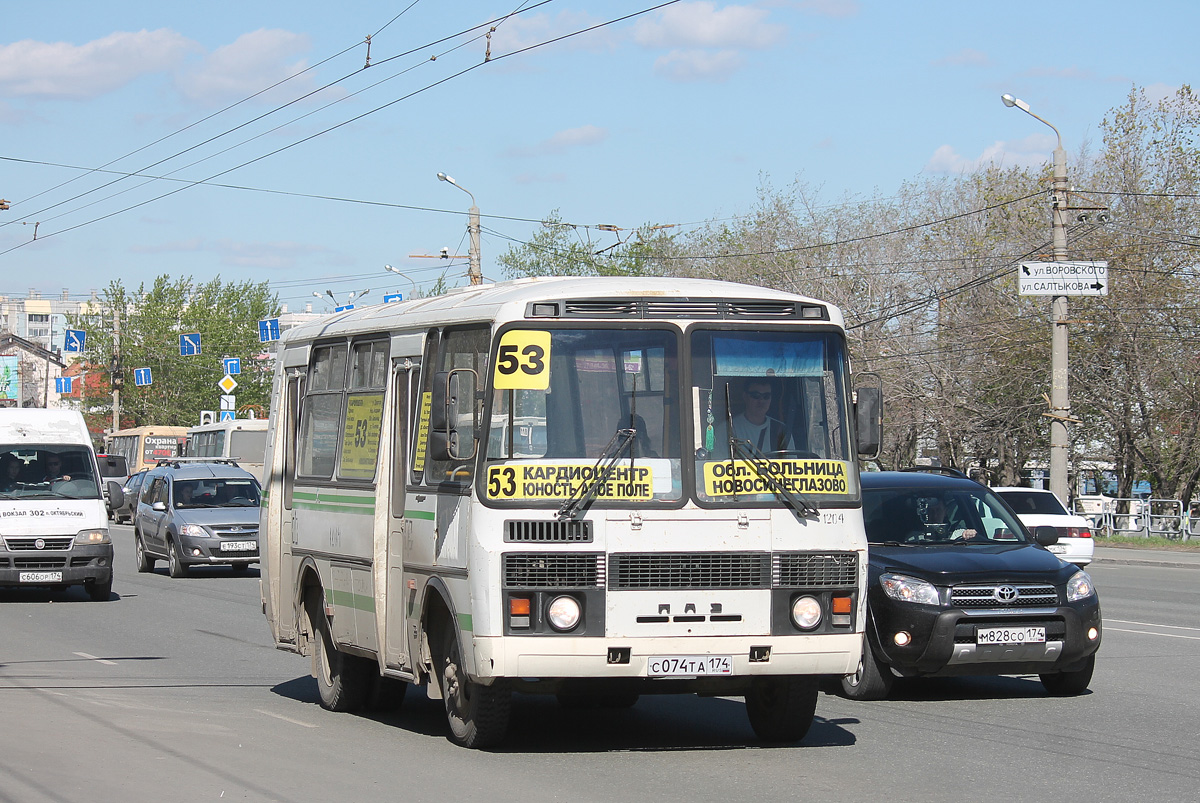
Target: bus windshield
{"type": "Point", "coordinates": [564, 398]}
{"type": "Point", "coordinates": [784, 393]}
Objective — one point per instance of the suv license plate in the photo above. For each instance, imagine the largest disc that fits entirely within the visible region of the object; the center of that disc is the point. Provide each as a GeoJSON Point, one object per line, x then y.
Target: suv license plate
{"type": "Point", "coordinates": [1010, 635]}
{"type": "Point", "coordinates": [669, 666]}
{"type": "Point", "coordinates": [238, 546]}
{"type": "Point", "coordinates": [40, 577]}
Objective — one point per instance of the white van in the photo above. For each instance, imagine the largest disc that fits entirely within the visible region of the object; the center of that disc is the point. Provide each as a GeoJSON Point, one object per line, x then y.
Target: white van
{"type": "Point", "coordinates": [53, 525]}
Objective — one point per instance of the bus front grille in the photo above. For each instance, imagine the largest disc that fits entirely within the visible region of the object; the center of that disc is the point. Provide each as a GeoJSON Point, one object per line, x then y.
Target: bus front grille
{"type": "Point", "coordinates": [689, 570]}
{"type": "Point", "coordinates": [553, 570]}
{"type": "Point", "coordinates": [540, 532]}
{"type": "Point", "coordinates": [814, 569]}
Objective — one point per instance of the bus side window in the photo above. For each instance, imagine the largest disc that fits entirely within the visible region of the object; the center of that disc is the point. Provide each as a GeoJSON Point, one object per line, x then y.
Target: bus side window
{"type": "Point", "coordinates": [463, 347]}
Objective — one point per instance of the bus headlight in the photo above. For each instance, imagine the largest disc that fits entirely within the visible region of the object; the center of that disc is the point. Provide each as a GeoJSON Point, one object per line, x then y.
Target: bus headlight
{"type": "Point", "coordinates": [563, 613]}
{"type": "Point", "coordinates": [806, 612]}
{"type": "Point", "coordinates": [91, 537]}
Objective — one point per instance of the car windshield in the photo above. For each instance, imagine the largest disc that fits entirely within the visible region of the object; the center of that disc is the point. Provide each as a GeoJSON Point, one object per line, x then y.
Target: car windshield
{"type": "Point", "coordinates": [938, 516]}
{"type": "Point", "coordinates": [216, 492]}
{"type": "Point", "coordinates": [47, 472]}
{"type": "Point", "coordinates": [1037, 502]}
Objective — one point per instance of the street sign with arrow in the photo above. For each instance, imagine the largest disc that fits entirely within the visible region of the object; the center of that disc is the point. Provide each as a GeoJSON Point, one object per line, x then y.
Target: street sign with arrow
{"type": "Point", "coordinates": [1063, 279]}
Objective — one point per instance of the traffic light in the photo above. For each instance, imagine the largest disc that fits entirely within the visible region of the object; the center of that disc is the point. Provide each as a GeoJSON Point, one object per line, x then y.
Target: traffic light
{"type": "Point", "coordinates": [208, 417]}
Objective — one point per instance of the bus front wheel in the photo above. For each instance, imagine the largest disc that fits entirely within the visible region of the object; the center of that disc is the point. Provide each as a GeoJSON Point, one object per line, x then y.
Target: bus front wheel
{"type": "Point", "coordinates": [343, 681]}
{"type": "Point", "coordinates": [781, 708]}
{"type": "Point", "coordinates": [477, 714]}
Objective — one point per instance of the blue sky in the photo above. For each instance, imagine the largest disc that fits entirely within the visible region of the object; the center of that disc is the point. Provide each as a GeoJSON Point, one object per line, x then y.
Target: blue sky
{"type": "Point", "coordinates": [675, 116]}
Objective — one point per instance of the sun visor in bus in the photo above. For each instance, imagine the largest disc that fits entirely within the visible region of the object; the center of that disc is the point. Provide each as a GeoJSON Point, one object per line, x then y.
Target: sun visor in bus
{"type": "Point", "coordinates": [408, 345]}
{"type": "Point", "coordinates": [764, 356]}
{"type": "Point", "coordinates": [296, 356]}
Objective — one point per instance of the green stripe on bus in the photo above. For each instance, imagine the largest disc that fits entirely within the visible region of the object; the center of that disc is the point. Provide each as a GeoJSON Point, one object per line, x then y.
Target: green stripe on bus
{"type": "Point", "coordinates": [345, 599]}
{"type": "Point", "coordinates": [356, 509]}
{"type": "Point", "coordinates": [464, 623]}
{"type": "Point", "coordinates": [427, 515]}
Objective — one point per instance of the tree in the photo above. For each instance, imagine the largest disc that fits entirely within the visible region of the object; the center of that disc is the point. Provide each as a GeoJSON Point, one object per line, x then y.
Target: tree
{"type": "Point", "coordinates": [146, 326]}
{"type": "Point", "coordinates": [563, 249]}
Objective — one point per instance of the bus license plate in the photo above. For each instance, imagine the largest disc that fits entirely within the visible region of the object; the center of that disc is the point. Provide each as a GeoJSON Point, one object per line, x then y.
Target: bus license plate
{"type": "Point", "coordinates": [668, 666]}
{"type": "Point", "coordinates": [238, 546]}
{"type": "Point", "coordinates": [1010, 635]}
{"type": "Point", "coordinates": [40, 577]}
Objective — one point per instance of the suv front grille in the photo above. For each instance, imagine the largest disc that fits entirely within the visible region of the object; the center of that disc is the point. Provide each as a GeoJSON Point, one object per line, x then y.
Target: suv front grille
{"type": "Point", "coordinates": [1000, 595]}
{"type": "Point", "coordinates": [689, 570]}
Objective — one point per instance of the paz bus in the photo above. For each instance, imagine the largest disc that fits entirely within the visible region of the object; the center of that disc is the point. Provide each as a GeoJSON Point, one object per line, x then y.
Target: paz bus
{"type": "Point", "coordinates": [243, 440]}
{"type": "Point", "coordinates": [538, 486]}
{"type": "Point", "coordinates": [143, 447]}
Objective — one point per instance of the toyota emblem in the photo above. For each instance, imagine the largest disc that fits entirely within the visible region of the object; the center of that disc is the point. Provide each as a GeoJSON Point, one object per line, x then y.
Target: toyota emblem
{"type": "Point", "coordinates": [1006, 594]}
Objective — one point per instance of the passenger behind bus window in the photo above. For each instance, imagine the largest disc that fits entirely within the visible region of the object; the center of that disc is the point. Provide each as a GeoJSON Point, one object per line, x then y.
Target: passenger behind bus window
{"type": "Point", "coordinates": [753, 424]}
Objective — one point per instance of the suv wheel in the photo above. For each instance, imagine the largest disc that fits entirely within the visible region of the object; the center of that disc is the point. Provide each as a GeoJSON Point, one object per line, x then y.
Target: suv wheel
{"type": "Point", "coordinates": [145, 563]}
{"type": "Point", "coordinates": [175, 566]}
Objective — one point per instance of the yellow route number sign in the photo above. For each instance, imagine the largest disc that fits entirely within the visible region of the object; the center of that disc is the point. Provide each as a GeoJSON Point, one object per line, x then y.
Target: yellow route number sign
{"type": "Point", "coordinates": [522, 361]}
{"type": "Point", "coordinates": [560, 481]}
{"type": "Point", "coordinates": [725, 478]}
{"type": "Point", "coordinates": [360, 435]}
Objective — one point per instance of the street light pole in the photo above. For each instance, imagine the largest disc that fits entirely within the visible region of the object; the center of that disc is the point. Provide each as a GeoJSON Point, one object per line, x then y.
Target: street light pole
{"type": "Point", "coordinates": [1060, 401]}
{"type": "Point", "coordinates": [474, 272]}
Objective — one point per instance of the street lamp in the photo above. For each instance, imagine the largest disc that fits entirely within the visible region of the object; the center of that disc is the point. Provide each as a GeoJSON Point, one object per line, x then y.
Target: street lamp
{"type": "Point", "coordinates": [349, 301]}
{"type": "Point", "coordinates": [474, 272]}
{"type": "Point", "coordinates": [405, 275]}
{"type": "Point", "coordinates": [1060, 402]}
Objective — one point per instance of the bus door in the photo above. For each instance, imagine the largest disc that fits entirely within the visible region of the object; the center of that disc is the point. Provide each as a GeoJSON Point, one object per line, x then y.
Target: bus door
{"type": "Point", "coordinates": [399, 600]}
{"type": "Point", "coordinates": [282, 572]}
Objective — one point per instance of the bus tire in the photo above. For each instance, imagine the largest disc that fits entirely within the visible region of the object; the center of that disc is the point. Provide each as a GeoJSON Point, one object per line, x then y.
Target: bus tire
{"type": "Point", "coordinates": [175, 565]}
{"type": "Point", "coordinates": [145, 563]}
{"type": "Point", "coordinates": [781, 708]}
{"type": "Point", "coordinates": [343, 681]}
{"type": "Point", "coordinates": [477, 714]}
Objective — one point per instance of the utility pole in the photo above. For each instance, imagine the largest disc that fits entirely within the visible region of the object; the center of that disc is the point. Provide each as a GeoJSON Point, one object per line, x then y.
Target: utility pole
{"type": "Point", "coordinates": [474, 271]}
{"type": "Point", "coordinates": [1060, 401]}
{"type": "Point", "coordinates": [117, 376]}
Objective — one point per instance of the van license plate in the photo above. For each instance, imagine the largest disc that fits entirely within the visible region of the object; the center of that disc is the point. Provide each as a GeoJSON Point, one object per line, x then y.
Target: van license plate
{"type": "Point", "coordinates": [40, 577]}
{"type": "Point", "coordinates": [666, 666]}
{"type": "Point", "coordinates": [1010, 635]}
{"type": "Point", "coordinates": [238, 546]}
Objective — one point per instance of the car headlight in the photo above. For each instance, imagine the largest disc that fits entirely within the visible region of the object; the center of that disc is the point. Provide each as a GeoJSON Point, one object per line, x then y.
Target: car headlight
{"type": "Point", "coordinates": [91, 537]}
{"type": "Point", "coordinates": [909, 589]}
{"type": "Point", "coordinates": [194, 530]}
{"type": "Point", "coordinates": [563, 613]}
{"type": "Point", "coordinates": [1080, 586]}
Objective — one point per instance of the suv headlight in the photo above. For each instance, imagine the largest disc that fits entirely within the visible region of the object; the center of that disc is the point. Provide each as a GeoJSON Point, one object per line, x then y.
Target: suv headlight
{"type": "Point", "coordinates": [1080, 586]}
{"type": "Point", "coordinates": [194, 530]}
{"type": "Point", "coordinates": [909, 589]}
{"type": "Point", "coordinates": [91, 537]}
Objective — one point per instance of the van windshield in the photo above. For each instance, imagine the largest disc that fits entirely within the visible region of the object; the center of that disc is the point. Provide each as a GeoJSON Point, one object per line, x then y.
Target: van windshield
{"type": "Point", "coordinates": [47, 472]}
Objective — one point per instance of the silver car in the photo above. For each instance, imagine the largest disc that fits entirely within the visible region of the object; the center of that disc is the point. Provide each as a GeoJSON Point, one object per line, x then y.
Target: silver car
{"type": "Point", "coordinates": [197, 512]}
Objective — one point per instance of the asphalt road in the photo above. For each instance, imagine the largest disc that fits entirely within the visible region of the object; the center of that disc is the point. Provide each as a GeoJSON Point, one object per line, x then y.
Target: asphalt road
{"type": "Point", "coordinates": [172, 690]}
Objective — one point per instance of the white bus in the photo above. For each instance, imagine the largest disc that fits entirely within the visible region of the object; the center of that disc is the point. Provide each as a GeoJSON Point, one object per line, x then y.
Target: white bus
{"type": "Point", "coordinates": [143, 447]}
{"type": "Point", "coordinates": [243, 440]}
{"type": "Point", "coordinates": [531, 486]}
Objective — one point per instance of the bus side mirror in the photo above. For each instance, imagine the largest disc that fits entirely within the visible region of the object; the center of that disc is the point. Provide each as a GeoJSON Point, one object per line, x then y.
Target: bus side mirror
{"type": "Point", "coordinates": [868, 413]}
{"type": "Point", "coordinates": [452, 424]}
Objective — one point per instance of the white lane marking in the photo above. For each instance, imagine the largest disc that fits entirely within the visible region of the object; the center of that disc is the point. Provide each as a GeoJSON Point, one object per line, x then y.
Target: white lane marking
{"type": "Point", "coordinates": [94, 658]}
{"type": "Point", "coordinates": [1152, 624]}
{"type": "Point", "coordinates": [286, 719]}
{"type": "Point", "coordinates": [1148, 633]}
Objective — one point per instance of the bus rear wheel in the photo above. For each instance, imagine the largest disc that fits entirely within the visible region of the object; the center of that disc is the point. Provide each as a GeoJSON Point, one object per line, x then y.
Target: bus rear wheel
{"type": "Point", "coordinates": [343, 681]}
{"type": "Point", "coordinates": [781, 709]}
{"type": "Point", "coordinates": [477, 714]}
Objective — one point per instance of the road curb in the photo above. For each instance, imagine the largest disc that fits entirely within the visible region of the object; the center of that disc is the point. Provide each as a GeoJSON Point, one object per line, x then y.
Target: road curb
{"type": "Point", "coordinates": [1142, 562]}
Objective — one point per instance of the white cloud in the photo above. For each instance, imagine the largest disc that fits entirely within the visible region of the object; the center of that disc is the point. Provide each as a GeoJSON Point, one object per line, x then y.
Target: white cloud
{"type": "Point", "coordinates": [703, 25]}
{"type": "Point", "coordinates": [1032, 151]}
{"type": "Point", "coordinates": [521, 31]}
{"type": "Point", "coordinates": [830, 8]}
{"type": "Point", "coordinates": [251, 63]}
{"type": "Point", "coordinates": [564, 140]}
{"type": "Point", "coordinates": [698, 65]}
{"type": "Point", "coordinates": [64, 70]}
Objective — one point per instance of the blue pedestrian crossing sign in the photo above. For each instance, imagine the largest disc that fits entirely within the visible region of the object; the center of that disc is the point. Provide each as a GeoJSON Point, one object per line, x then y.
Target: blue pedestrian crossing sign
{"type": "Point", "coordinates": [232, 365]}
{"type": "Point", "coordinates": [73, 340]}
{"type": "Point", "coordinates": [64, 384]}
{"type": "Point", "coordinates": [189, 345]}
{"type": "Point", "coordinates": [268, 330]}
{"type": "Point", "coordinates": [228, 415]}
{"type": "Point", "coordinates": [142, 376]}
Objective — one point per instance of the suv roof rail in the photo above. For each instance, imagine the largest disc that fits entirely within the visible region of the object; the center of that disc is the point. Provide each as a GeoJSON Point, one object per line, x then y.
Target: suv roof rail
{"type": "Point", "coordinates": [175, 462]}
{"type": "Point", "coordinates": [946, 470]}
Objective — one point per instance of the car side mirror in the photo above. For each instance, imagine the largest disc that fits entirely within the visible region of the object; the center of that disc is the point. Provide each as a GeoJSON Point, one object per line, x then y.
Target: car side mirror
{"type": "Point", "coordinates": [116, 494]}
{"type": "Point", "coordinates": [1045, 535]}
{"type": "Point", "coordinates": [159, 506]}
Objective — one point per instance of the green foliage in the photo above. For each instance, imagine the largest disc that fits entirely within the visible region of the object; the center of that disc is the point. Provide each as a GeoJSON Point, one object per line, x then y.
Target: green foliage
{"type": "Point", "coordinates": [560, 249]}
{"type": "Point", "coordinates": [144, 327]}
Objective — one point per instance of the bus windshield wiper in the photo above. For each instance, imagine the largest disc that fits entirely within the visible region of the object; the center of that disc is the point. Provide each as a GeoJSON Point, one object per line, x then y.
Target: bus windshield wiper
{"type": "Point", "coordinates": [605, 466]}
{"type": "Point", "coordinates": [740, 449]}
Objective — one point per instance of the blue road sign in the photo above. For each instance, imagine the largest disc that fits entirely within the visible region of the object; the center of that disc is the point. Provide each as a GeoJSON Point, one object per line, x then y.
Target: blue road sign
{"type": "Point", "coordinates": [232, 365]}
{"type": "Point", "coordinates": [142, 376]}
{"type": "Point", "coordinates": [343, 308]}
{"type": "Point", "coordinates": [73, 340]}
{"type": "Point", "coordinates": [64, 384]}
{"type": "Point", "coordinates": [268, 330]}
{"type": "Point", "coordinates": [189, 345]}
{"type": "Point", "coordinates": [228, 415]}
{"type": "Point", "coordinates": [390, 297]}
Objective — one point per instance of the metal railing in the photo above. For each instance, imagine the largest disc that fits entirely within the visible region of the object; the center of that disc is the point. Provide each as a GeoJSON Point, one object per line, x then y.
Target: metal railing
{"type": "Point", "coordinates": [1165, 518]}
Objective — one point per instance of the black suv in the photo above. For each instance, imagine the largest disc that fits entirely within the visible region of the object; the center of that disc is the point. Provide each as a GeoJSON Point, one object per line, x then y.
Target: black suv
{"type": "Point", "coordinates": [958, 586]}
{"type": "Point", "coordinates": [195, 512]}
